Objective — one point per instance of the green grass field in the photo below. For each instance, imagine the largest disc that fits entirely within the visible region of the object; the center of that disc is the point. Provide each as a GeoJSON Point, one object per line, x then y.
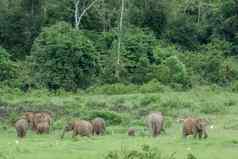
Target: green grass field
{"type": "Point", "coordinates": [220, 107]}
{"type": "Point", "coordinates": [222, 143]}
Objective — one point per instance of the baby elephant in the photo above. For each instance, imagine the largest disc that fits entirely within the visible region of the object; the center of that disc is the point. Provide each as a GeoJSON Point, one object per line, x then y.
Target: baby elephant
{"type": "Point", "coordinates": [99, 126]}
{"type": "Point", "coordinates": [195, 127]}
{"type": "Point", "coordinates": [21, 127]}
{"type": "Point", "coordinates": [131, 132]}
{"type": "Point", "coordinates": [79, 127]}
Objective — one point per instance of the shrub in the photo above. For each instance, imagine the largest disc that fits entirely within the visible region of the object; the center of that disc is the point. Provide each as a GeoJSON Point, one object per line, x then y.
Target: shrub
{"type": "Point", "coordinates": [147, 100]}
{"type": "Point", "coordinates": [234, 86]}
{"type": "Point", "coordinates": [152, 86]}
{"type": "Point", "coordinates": [117, 88]}
{"type": "Point", "coordinates": [138, 45]}
{"type": "Point", "coordinates": [63, 57]}
{"type": "Point", "coordinates": [212, 107]}
{"type": "Point", "coordinates": [110, 117]}
{"type": "Point", "coordinates": [177, 70]}
{"type": "Point", "coordinates": [145, 153]}
{"type": "Point", "coordinates": [191, 156]}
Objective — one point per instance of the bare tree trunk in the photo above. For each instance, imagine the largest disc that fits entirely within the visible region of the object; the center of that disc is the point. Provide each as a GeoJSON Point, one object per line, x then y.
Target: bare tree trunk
{"type": "Point", "coordinates": [78, 17]}
{"type": "Point", "coordinates": [119, 38]}
{"type": "Point", "coordinates": [76, 13]}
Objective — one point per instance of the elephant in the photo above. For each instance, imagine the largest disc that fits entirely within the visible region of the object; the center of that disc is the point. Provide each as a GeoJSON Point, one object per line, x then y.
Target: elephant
{"type": "Point", "coordinates": [131, 132]}
{"type": "Point", "coordinates": [37, 119]}
{"type": "Point", "coordinates": [42, 127]}
{"type": "Point", "coordinates": [29, 117]}
{"type": "Point", "coordinates": [79, 127]}
{"type": "Point", "coordinates": [41, 117]}
{"type": "Point", "coordinates": [21, 127]}
{"type": "Point", "coordinates": [99, 126]}
{"type": "Point", "coordinates": [46, 117]}
{"type": "Point", "coordinates": [195, 127]}
{"type": "Point", "coordinates": [155, 122]}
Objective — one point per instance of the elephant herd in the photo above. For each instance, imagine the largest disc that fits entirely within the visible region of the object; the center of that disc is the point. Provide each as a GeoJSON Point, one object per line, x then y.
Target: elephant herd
{"type": "Point", "coordinates": [40, 123]}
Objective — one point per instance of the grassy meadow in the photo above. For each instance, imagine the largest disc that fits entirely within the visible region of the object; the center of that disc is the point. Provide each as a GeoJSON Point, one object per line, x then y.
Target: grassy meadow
{"type": "Point", "coordinates": [121, 112]}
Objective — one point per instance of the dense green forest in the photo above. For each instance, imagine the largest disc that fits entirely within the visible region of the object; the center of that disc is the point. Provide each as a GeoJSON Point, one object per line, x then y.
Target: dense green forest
{"type": "Point", "coordinates": [80, 44]}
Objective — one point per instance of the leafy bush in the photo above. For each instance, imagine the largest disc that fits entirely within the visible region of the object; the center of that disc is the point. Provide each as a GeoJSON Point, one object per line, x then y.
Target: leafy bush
{"type": "Point", "coordinates": [138, 45]}
{"type": "Point", "coordinates": [191, 156]}
{"type": "Point", "coordinates": [234, 86]}
{"type": "Point", "coordinates": [110, 117]}
{"type": "Point", "coordinates": [63, 57]}
{"type": "Point", "coordinates": [177, 70]}
{"type": "Point", "coordinates": [152, 86]}
{"type": "Point", "coordinates": [211, 107]}
{"type": "Point", "coordinates": [169, 69]}
{"type": "Point", "coordinates": [210, 66]}
{"type": "Point", "coordinates": [146, 153]}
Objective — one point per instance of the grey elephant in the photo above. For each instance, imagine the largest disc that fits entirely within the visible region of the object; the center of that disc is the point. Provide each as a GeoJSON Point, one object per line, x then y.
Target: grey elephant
{"type": "Point", "coordinates": [155, 122]}
{"type": "Point", "coordinates": [79, 127]}
{"type": "Point", "coordinates": [99, 126]}
{"type": "Point", "coordinates": [131, 132]}
{"type": "Point", "coordinates": [21, 127]}
{"type": "Point", "coordinates": [42, 127]}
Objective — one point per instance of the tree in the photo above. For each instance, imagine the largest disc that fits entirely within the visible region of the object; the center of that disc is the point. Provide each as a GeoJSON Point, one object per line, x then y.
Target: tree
{"type": "Point", "coordinates": [149, 14]}
{"type": "Point", "coordinates": [119, 39]}
{"type": "Point", "coordinates": [78, 16]}
{"type": "Point", "coordinates": [63, 57]}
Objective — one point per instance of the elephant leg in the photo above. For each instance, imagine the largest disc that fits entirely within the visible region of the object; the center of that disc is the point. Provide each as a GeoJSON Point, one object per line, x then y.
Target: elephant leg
{"type": "Point", "coordinates": [205, 133]}
{"type": "Point", "coordinates": [75, 133]}
{"type": "Point", "coordinates": [200, 134]}
{"type": "Point", "coordinates": [195, 132]}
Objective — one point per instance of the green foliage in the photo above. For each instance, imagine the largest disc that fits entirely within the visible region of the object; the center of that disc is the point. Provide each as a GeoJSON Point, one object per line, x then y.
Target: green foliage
{"type": "Point", "coordinates": [63, 58]}
{"type": "Point", "coordinates": [113, 89]}
{"type": "Point", "coordinates": [136, 56]}
{"type": "Point", "coordinates": [8, 69]}
{"type": "Point", "coordinates": [112, 118]}
{"type": "Point", "coordinates": [191, 156]}
{"type": "Point", "coordinates": [234, 86]}
{"type": "Point", "coordinates": [228, 27]}
{"type": "Point", "coordinates": [153, 14]}
{"type": "Point", "coordinates": [184, 33]}
{"type": "Point", "coordinates": [152, 86]}
{"type": "Point", "coordinates": [210, 66]}
{"type": "Point", "coordinates": [177, 70]}
{"type": "Point", "coordinates": [146, 153]}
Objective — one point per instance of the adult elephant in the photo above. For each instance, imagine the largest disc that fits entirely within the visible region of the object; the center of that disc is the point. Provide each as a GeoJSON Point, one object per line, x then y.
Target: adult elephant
{"type": "Point", "coordinates": [99, 126]}
{"type": "Point", "coordinates": [79, 127]}
{"type": "Point", "coordinates": [155, 122]}
{"type": "Point", "coordinates": [195, 127]}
